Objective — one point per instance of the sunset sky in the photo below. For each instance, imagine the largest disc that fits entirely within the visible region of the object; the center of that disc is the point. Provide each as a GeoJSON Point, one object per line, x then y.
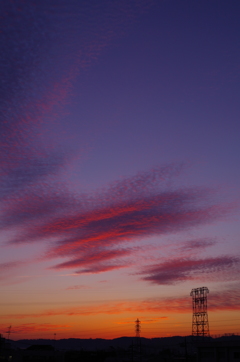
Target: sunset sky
{"type": "Point", "coordinates": [120, 177]}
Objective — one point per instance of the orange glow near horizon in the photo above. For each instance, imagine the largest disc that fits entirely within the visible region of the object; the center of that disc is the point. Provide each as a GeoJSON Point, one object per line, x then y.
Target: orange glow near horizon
{"type": "Point", "coordinates": [114, 321]}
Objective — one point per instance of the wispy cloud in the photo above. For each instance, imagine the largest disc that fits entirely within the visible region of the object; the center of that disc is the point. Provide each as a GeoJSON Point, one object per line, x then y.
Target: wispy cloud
{"type": "Point", "coordinates": [24, 40]}
{"type": "Point", "coordinates": [94, 261]}
{"type": "Point", "coordinates": [35, 327]}
{"type": "Point", "coordinates": [143, 320]}
{"type": "Point", "coordinates": [92, 230]}
{"type": "Point", "coordinates": [180, 269]}
{"type": "Point", "coordinates": [225, 300]}
{"type": "Point", "coordinates": [8, 270]}
{"type": "Point", "coordinates": [197, 245]}
{"type": "Point", "coordinates": [77, 287]}
{"type": "Point", "coordinates": [10, 265]}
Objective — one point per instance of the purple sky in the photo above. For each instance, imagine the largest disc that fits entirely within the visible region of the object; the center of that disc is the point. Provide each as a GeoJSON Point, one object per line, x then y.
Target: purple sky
{"type": "Point", "coordinates": [119, 152]}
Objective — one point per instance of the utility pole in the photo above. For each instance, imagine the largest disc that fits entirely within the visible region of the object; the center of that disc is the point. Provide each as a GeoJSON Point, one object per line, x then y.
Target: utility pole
{"type": "Point", "coordinates": [9, 331]}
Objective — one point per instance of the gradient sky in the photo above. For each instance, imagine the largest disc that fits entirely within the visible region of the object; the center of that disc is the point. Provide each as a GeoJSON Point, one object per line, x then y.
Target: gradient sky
{"type": "Point", "coordinates": [120, 153]}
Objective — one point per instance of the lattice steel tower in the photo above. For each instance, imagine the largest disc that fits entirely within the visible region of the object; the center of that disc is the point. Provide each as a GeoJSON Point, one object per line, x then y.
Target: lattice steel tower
{"type": "Point", "coordinates": [200, 326]}
{"type": "Point", "coordinates": [136, 346]}
{"type": "Point", "coordinates": [137, 328]}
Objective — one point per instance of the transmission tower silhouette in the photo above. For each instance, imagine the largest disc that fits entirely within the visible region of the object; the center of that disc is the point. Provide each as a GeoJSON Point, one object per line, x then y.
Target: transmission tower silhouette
{"type": "Point", "coordinates": [136, 345]}
{"type": "Point", "coordinates": [200, 326]}
{"type": "Point", "coordinates": [137, 328]}
{"type": "Point", "coordinates": [9, 331]}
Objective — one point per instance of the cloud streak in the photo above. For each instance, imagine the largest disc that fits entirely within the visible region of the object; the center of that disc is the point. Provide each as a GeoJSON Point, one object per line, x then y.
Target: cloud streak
{"type": "Point", "coordinates": [8, 270]}
{"type": "Point", "coordinates": [183, 269]}
{"type": "Point", "coordinates": [197, 245]}
{"type": "Point", "coordinates": [35, 327]}
{"type": "Point", "coordinates": [94, 261]}
{"type": "Point", "coordinates": [91, 231]}
{"type": "Point", "coordinates": [217, 301]}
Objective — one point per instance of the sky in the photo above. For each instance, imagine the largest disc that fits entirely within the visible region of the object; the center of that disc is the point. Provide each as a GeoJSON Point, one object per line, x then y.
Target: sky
{"type": "Point", "coordinates": [119, 155]}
